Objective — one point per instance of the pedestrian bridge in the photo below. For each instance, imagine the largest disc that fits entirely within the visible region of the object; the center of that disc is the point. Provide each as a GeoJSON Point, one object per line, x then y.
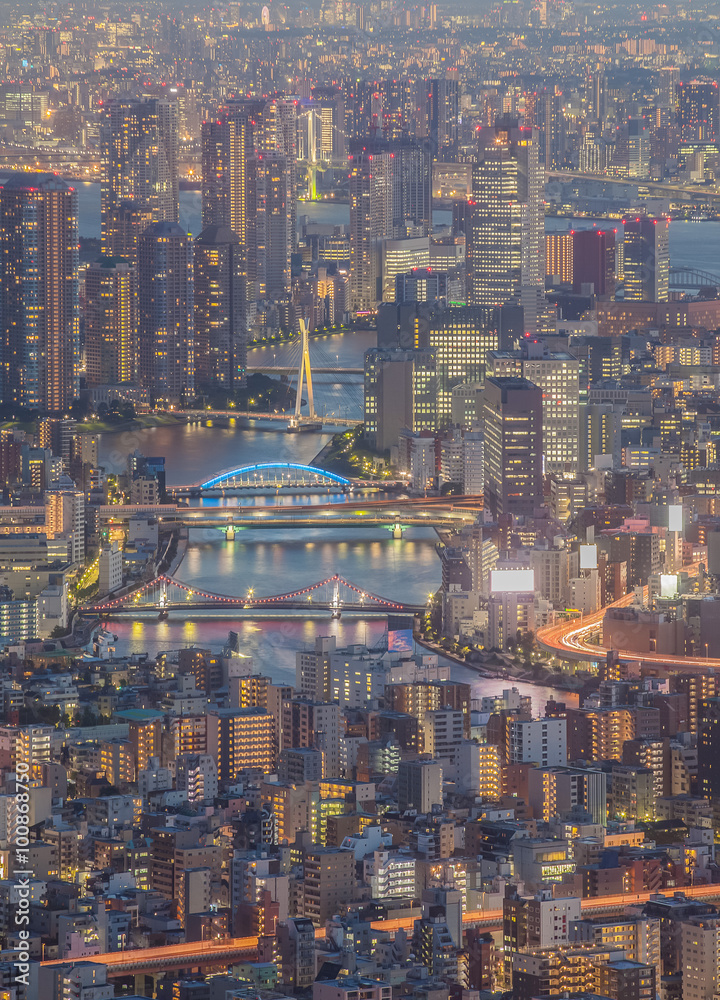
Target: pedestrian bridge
{"type": "Point", "coordinates": [269, 475]}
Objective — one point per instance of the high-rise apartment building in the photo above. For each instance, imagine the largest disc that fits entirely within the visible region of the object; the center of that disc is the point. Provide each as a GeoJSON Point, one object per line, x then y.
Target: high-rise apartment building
{"type": "Point", "coordinates": [557, 375]}
{"type": "Point", "coordinates": [537, 741]}
{"type": "Point", "coordinates": [443, 112]}
{"type": "Point", "coordinates": [140, 180]}
{"type": "Point", "coordinates": [249, 156]}
{"type": "Point", "coordinates": [221, 308]}
{"type": "Point", "coordinates": [145, 733]}
{"type": "Point", "coordinates": [513, 445]}
{"type": "Point", "coordinates": [559, 257]}
{"type": "Point", "coordinates": [307, 723]}
{"type": "Point", "coordinates": [371, 222]}
{"type": "Point", "coordinates": [329, 882]}
{"type": "Point", "coordinates": [506, 239]}
{"type": "Point", "coordinates": [272, 210]}
{"type": "Point", "coordinates": [698, 110]}
{"type": "Point", "coordinates": [110, 322]}
{"type": "Point", "coordinates": [646, 259]}
{"type": "Point", "coordinates": [240, 739]}
{"type": "Point", "coordinates": [39, 321]}
{"type": "Point", "coordinates": [228, 144]}
{"type": "Point", "coordinates": [166, 359]}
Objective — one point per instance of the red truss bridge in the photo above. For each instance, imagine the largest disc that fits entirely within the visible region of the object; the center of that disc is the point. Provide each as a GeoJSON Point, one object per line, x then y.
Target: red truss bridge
{"type": "Point", "coordinates": [165, 594]}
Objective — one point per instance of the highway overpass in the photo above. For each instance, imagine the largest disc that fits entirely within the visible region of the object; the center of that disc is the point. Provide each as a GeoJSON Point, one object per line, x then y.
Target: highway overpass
{"type": "Point", "coordinates": [202, 955]}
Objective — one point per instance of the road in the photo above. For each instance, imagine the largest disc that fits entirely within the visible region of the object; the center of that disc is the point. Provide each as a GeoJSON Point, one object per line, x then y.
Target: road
{"type": "Point", "coordinates": [444, 512]}
{"type": "Point", "coordinates": [657, 188]}
{"type": "Point", "coordinates": [573, 640]}
{"type": "Point", "coordinates": [203, 954]}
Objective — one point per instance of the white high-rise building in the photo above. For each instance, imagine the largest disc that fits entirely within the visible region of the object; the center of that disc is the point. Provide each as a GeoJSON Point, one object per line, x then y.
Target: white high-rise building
{"type": "Point", "coordinates": [473, 463]}
{"type": "Point", "coordinates": [539, 741]}
{"type": "Point", "coordinates": [506, 256]}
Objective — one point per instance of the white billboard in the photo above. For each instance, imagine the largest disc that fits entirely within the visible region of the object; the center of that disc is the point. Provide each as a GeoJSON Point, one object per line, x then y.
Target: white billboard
{"type": "Point", "coordinates": [675, 517]}
{"type": "Point", "coordinates": [588, 557]}
{"type": "Point", "coordinates": [512, 581]}
{"type": "Point", "coordinates": [668, 584]}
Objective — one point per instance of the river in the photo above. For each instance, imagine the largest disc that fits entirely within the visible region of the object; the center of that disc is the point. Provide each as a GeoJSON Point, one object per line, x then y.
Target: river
{"type": "Point", "coordinates": [691, 244]}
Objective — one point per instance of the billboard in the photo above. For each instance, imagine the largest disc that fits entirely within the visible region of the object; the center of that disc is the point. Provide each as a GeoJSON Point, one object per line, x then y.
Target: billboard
{"type": "Point", "coordinates": [400, 641]}
{"type": "Point", "coordinates": [512, 581]}
{"type": "Point", "coordinates": [675, 517]}
{"type": "Point", "coordinates": [588, 557]}
{"type": "Point", "coordinates": [668, 584]}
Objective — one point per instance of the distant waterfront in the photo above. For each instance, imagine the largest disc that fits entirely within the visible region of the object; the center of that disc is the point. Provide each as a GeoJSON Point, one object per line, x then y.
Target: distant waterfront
{"type": "Point", "coordinates": [692, 244]}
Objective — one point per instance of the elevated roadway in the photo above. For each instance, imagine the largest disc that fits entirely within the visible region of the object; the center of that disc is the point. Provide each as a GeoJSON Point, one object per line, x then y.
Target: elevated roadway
{"type": "Point", "coordinates": [660, 189]}
{"type": "Point", "coordinates": [581, 640]}
{"type": "Point", "coordinates": [447, 512]}
{"type": "Point", "coordinates": [208, 954]}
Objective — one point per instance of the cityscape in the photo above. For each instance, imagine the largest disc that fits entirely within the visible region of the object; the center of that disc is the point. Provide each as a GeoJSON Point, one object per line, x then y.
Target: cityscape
{"type": "Point", "coordinates": [360, 514]}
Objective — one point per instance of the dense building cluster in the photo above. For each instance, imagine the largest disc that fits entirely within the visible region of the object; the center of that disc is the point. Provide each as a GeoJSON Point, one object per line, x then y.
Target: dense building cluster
{"type": "Point", "coordinates": [488, 196]}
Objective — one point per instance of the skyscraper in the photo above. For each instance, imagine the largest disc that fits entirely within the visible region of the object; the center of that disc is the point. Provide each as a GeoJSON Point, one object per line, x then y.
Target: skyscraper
{"type": "Point", "coordinates": [593, 255]}
{"type": "Point", "coordinates": [39, 325]}
{"type": "Point", "coordinates": [166, 359]}
{"type": "Point", "coordinates": [390, 198]}
{"type": "Point", "coordinates": [399, 392]}
{"type": "Point", "coordinates": [221, 308]}
{"type": "Point", "coordinates": [140, 144]}
{"type": "Point", "coordinates": [699, 110]}
{"type": "Point", "coordinates": [557, 376]}
{"type": "Point", "coordinates": [513, 445]}
{"type": "Point", "coordinates": [443, 115]}
{"type": "Point", "coordinates": [371, 221]}
{"type": "Point", "coordinates": [271, 228]}
{"type": "Point", "coordinates": [249, 159]}
{"type": "Point", "coordinates": [507, 227]}
{"type": "Point", "coordinates": [412, 188]}
{"type": "Point", "coordinates": [646, 259]}
{"type": "Point", "coordinates": [461, 339]}
{"type": "Point", "coordinates": [110, 322]}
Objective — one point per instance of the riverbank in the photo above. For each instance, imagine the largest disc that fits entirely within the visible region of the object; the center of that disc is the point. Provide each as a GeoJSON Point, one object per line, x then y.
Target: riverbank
{"type": "Point", "coordinates": [573, 684]}
{"type": "Point", "coordinates": [135, 424]}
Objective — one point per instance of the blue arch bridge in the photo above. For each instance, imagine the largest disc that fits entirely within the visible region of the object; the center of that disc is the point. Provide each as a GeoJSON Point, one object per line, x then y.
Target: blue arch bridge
{"type": "Point", "coordinates": [271, 476]}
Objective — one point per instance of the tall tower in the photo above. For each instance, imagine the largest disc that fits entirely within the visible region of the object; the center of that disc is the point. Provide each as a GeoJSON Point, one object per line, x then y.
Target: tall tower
{"type": "Point", "coordinates": [443, 115]}
{"type": "Point", "coordinates": [110, 322]}
{"type": "Point", "coordinates": [39, 322]}
{"type": "Point", "coordinates": [166, 312]}
{"type": "Point", "coordinates": [699, 110]}
{"type": "Point", "coordinates": [371, 221]}
{"type": "Point", "coordinates": [412, 188]}
{"type": "Point", "coordinates": [646, 259]}
{"type": "Point", "coordinates": [140, 144]}
{"type": "Point", "coordinates": [221, 307]}
{"type": "Point", "coordinates": [271, 226]}
{"type": "Point", "coordinates": [513, 445]}
{"type": "Point", "coordinates": [507, 223]}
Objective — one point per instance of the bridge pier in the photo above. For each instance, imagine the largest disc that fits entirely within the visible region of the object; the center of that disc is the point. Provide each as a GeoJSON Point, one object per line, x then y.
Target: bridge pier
{"type": "Point", "coordinates": [397, 531]}
{"type": "Point", "coordinates": [230, 533]}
